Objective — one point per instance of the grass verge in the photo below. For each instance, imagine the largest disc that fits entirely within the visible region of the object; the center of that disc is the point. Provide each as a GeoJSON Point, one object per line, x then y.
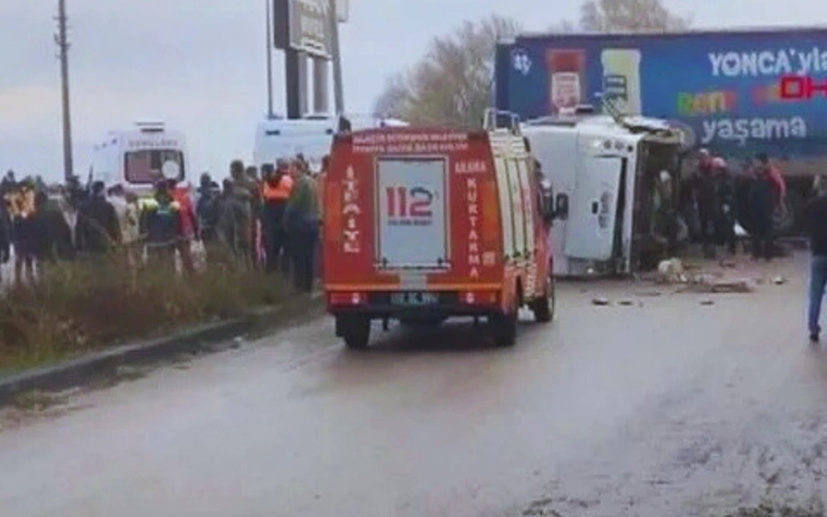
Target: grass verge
{"type": "Point", "coordinates": [93, 304]}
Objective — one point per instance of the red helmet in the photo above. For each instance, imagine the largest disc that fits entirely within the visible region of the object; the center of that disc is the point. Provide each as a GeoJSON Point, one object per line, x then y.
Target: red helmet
{"type": "Point", "coordinates": [718, 163]}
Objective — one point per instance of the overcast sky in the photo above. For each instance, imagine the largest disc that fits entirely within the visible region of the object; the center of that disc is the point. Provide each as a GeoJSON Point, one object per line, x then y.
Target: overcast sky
{"type": "Point", "coordinates": [199, 64]}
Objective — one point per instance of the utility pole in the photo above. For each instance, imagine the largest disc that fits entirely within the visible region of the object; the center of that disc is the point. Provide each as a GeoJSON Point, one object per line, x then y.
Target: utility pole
{"type": "Point", "coordinates": [270, 112]}
{"type": "Point", "coordinates": [62, 40]}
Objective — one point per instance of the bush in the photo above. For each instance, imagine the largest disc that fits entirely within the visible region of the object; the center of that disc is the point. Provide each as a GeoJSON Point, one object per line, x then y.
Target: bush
{"type": "Point", "coordinates": [93, 303]}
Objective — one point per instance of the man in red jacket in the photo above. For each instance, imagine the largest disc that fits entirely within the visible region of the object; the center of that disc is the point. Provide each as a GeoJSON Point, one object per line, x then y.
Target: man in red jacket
{"type": "Point", "coordinates": [767, 195]}
{"type": "Point", "coordinates": [189, 230]}
{"type": "Point", "coordinates": [763, 166]}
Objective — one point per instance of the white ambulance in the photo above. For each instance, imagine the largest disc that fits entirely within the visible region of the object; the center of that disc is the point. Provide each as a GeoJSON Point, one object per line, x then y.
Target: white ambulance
{"type": "Point", "coordinates": [311, 136]}
{"type": "Point", "coordinates": [614, 178]}
{"type": "Point", "coordinates": [139, 157]}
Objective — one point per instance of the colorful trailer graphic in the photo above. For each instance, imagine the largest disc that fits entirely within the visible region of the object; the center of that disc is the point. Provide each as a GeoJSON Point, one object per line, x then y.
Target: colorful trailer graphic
{"type": "Point", "coordinates": [722, 88]}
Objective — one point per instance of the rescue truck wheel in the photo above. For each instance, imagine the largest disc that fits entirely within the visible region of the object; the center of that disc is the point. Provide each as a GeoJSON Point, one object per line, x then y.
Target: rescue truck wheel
{"type": "Point", "coordinates": [543, 308]}
{"type": "Point", "coordinates": [355, 332]}
{"type": "Point", "coordinates": [504, 329]}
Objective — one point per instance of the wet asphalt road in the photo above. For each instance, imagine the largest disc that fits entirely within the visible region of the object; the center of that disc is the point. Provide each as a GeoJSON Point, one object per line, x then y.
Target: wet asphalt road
{"type": "Point", "coordinates": [669, 408]}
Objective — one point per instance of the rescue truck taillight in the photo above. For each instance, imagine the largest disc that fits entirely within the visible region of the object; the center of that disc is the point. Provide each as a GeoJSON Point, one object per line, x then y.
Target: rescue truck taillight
{"type": "Point", "coordinates": [340, 299]}
{"type": "Point", "coordinates": [479, 298]}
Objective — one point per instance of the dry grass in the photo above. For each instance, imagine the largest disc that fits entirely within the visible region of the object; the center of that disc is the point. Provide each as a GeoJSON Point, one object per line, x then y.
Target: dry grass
{"type": "Point", "coordinates": [91, 304]}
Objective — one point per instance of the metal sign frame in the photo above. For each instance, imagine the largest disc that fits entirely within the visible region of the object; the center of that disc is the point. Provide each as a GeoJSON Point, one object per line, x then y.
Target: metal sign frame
{"type": "Point", "coordinates": [305, 26]}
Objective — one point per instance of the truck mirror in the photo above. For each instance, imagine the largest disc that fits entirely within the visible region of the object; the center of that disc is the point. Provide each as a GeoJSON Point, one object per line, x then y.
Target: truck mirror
{"type": "Point", "coordinates": [561, 210]}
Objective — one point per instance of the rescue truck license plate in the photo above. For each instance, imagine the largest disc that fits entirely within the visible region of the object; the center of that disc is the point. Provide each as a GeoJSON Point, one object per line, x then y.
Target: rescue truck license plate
{"type": "Point", "coordinates": [414, 298]}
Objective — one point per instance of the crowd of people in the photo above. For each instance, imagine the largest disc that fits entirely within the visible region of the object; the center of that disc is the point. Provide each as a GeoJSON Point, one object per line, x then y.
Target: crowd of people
{"type": "Point", "coordinates": [266, 218]}
{"type": "Point", "coordinates": [719, 197]}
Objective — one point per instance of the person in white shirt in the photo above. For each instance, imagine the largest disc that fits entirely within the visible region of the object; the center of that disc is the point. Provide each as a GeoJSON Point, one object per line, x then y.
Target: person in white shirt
{"type": "Point", "coordinates": [128, 212]}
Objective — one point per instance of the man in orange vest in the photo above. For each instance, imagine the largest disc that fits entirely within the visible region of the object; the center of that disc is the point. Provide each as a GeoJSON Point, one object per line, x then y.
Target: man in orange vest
{"type": "Point", "coordinates": [276, 190]}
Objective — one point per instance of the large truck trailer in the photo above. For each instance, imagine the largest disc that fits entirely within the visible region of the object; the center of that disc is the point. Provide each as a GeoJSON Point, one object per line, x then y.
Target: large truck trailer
{"type": "Point", "coordinates": [721, 89]}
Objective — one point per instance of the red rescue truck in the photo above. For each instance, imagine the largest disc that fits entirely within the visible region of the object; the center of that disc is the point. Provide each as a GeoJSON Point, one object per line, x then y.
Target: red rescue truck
{"type": "Point", "coordinates": [422, 224]}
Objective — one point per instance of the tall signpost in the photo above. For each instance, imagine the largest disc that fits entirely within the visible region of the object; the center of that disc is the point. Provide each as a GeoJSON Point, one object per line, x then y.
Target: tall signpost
{"type": "Point", "coordinates": [340, 10]}
{"type": "Point", "coordinates": [308, 29]}
{"type": "Point", "coordinates": [269, 52]}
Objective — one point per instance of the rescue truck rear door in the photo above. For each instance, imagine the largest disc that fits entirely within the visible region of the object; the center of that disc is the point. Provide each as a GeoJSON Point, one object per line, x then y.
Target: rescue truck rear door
{"type": "Point", "coordinates": [412, 213]}
{"type": "Point", "coordinates": [593, 208]}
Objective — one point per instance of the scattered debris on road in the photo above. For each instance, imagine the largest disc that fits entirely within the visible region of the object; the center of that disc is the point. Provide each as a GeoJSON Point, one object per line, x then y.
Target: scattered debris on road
{"type": "Point", "coordinates": [711, 285]}
{"type": "Point", "coordinates": [650, 294]}
{"type": "Point", "coordinates": [671, 271]}
{"type": "Point", "coordinates": [742, 285]}
{"type": "Point", "coordinates": [779, 280]}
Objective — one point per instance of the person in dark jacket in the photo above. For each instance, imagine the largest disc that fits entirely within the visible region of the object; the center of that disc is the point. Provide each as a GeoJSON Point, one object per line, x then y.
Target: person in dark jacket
{"type": "Point", "coordinates": [815, 217]}
{"type": "Point", "coordinates": [54, 233]}
{"type": "Point", "coordinates": [301, 220]}
{"type": "Point", "coordinates": [763, 200]}
{"type": "Point", "coordinates": [76, 194]}
{"type": "Point", "coordinates": [24, 231]}
{"type": "Point", "coordinates": [244, 192]}
{"type": "Point", "coordinates": [8, 184]}
{"type": "Point", "coordinates": [232, 221]}
{"type": "Point", "coordinates": [706, 198]}
{"type": "Point", "coordinates": [98, 229]}
{"type": "Point", "coordinates": [161, 224]}
{"type": "Point", "coordinates": [5, 236]}
{"type": "Point", "coordinates": [206, 209]}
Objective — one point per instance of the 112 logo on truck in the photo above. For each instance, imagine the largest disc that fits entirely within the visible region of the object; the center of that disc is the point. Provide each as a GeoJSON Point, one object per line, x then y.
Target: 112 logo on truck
{"type": "Point", "coordinates": [409, 206]}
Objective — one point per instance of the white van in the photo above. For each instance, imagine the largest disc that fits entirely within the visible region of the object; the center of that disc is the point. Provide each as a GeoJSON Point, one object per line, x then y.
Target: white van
{"type": "Point", "coordinates": [606, 174]}
{"type": "Point", "coordinates": [311, 136]}
{"type": "Point", "coordinates": [139, 157]}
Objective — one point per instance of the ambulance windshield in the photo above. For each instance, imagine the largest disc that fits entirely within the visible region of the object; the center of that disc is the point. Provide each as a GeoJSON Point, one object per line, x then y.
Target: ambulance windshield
{"type": "Point", "coordinates": [145, 166]}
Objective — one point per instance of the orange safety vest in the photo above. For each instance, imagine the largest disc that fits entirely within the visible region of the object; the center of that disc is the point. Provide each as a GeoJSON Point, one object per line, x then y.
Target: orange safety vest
{"type": "Point", "coordinates": [280, 192]}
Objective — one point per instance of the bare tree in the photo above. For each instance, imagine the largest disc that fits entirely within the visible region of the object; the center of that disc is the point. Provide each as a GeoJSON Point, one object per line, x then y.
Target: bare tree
{"type": "Point", "coordinates": [395, 99]}
{"type": "Point", "coordinates": [609, 16]}
{"type": "Point", "coordinates": [453, 84]}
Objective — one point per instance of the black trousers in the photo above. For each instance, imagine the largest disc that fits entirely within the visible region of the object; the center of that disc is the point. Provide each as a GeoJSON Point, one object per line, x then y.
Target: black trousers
{"type": "Point", "coordinates": [725, 230]}
{"type": "Point", "coordinates": [763, 242]}
{"type": "Point", "coordinates": [275, 241]}
{"type": "Point", "coordinates": [161, 256]}
{"type": "Point", "coordinates": [303, 252]}
{"type": "Point", "coordinates": [275, 238]}
{"type": "Point", "coordinates": [706, 217]}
